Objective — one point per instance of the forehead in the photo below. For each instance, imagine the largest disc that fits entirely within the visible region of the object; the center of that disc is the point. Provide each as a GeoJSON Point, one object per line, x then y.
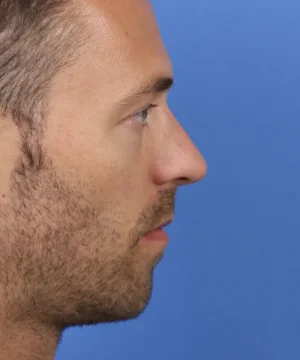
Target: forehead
{"type": "Point", "coordinates": [124, 46]}
{"type": "Point", "coordinates": [128, 16]}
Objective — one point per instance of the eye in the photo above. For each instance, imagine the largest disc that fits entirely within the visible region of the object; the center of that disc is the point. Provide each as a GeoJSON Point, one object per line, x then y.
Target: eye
{"type": "Point", "coordinates": [142, 115]}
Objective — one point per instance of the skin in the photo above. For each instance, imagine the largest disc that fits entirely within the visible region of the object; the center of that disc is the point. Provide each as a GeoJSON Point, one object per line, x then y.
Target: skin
{"type": "Point", "coordinates": [70, 235]}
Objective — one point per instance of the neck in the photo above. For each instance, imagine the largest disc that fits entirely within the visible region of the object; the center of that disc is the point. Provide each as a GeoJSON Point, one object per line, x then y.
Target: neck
{"type": "Point", "coordinates": [28, 342]}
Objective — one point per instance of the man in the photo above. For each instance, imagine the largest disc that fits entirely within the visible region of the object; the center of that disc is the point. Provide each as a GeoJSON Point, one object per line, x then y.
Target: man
{"type": "Point", "coordinates": [90, 161]}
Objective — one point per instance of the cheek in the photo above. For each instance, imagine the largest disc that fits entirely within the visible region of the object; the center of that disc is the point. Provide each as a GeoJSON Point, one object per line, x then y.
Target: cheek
{"type": "Point", "coordinates": [108, 164]}
{"type": "Point", "coordinates": [104, 168]}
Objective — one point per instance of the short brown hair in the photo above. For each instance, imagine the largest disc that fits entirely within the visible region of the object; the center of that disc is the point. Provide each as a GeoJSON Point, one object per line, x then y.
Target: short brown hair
{"type": "Point", "coordinates": [37, 39]}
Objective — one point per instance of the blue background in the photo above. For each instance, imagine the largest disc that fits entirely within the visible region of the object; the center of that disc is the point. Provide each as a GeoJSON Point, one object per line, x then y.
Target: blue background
{"type": "Point", "coordinates": [229, 285]}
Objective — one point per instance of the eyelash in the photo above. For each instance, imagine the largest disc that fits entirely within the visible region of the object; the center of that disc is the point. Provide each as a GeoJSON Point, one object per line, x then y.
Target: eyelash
{"type": "Point", "coordinates": [146, 113]}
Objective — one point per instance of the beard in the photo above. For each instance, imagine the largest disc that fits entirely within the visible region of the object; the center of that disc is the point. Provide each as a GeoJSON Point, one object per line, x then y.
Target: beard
{"type": "Point", "coordinates": [66, 262]}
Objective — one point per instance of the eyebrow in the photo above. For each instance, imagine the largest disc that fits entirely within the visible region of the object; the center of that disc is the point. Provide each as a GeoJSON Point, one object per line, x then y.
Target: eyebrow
{"type": "Point", "coordinates": [155, 85]}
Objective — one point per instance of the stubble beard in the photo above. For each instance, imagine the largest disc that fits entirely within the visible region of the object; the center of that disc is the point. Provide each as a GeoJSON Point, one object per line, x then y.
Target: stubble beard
{"type": "Point", "coordinates": [60, 262]}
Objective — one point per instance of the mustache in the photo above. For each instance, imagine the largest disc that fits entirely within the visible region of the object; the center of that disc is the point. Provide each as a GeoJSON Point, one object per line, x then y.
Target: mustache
{"type": "Point", "coordinates": [159, 211]}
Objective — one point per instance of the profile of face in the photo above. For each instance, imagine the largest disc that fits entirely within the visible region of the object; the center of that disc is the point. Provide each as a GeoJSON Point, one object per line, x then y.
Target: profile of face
{"type": "Point", "coordinates": [71, 249]}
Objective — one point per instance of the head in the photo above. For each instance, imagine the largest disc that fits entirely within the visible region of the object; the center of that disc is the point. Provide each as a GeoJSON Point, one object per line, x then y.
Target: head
{"type": "Point", "coordinates": [87, 164]}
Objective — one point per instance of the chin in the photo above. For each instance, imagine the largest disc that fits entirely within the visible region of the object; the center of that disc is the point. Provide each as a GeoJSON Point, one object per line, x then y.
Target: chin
{"type": "Point", "coordinates": [99, 316]}
{"type": "Point", "coordinates": [109, 308]}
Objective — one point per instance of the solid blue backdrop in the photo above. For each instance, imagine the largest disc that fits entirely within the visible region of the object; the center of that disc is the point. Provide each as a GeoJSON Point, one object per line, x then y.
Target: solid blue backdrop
{"type": "Point", "coordinates": [229, 285]}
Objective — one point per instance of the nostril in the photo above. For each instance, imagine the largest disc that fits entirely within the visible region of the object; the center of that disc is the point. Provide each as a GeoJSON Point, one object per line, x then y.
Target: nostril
{"type": "Point", "coordinates": [182, 181]}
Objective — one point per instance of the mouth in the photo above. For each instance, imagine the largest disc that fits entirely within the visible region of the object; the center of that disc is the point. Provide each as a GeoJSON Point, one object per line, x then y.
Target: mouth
{"type": "Point", "coordinates": [163, 225]}
{"type": "Point", "coordinates": [158, 234]}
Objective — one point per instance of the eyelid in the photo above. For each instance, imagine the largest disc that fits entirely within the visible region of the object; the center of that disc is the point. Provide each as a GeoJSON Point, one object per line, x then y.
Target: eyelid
{"type": "Point", "coordinates": [149, 106]}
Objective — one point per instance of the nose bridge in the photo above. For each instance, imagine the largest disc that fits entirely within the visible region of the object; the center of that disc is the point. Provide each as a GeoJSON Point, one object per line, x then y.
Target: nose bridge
{"type": "Point", "coordinates": [180, 161]}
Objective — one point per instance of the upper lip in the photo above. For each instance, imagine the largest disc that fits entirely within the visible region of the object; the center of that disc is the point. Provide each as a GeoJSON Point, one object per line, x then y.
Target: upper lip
{"type": "Point", "coordinates": [163, 224]}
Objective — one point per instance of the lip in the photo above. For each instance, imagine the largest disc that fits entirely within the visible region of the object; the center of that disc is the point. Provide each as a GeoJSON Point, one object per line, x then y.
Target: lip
{"type": "Point", "coordinates": [156, 236]}
{"type": "Point", "coordinates": [163, 225]}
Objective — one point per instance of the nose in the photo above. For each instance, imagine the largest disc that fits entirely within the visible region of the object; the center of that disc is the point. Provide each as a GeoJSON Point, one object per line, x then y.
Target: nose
{"type": "Point", "coordinates": [178, 159]}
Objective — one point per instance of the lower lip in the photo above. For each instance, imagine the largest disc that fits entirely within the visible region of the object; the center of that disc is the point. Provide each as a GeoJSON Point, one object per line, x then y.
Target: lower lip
{"type": "Point", "coordinates": [157, 235]}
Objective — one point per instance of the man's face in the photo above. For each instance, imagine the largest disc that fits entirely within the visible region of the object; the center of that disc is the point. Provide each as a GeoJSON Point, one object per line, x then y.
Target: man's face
{"type": "Point", "coordinates": [70, 234]}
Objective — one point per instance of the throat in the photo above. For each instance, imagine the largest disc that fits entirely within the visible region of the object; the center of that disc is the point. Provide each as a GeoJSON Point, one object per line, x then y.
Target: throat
{"type": "Point", "coordinates": [28, 342]}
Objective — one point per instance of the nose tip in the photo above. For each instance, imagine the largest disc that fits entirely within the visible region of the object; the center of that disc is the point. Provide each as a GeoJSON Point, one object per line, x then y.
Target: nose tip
{"type": "Point", "coordinates": [200, 170]}
{"type": "Point", "coordinates": [195, 167]}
